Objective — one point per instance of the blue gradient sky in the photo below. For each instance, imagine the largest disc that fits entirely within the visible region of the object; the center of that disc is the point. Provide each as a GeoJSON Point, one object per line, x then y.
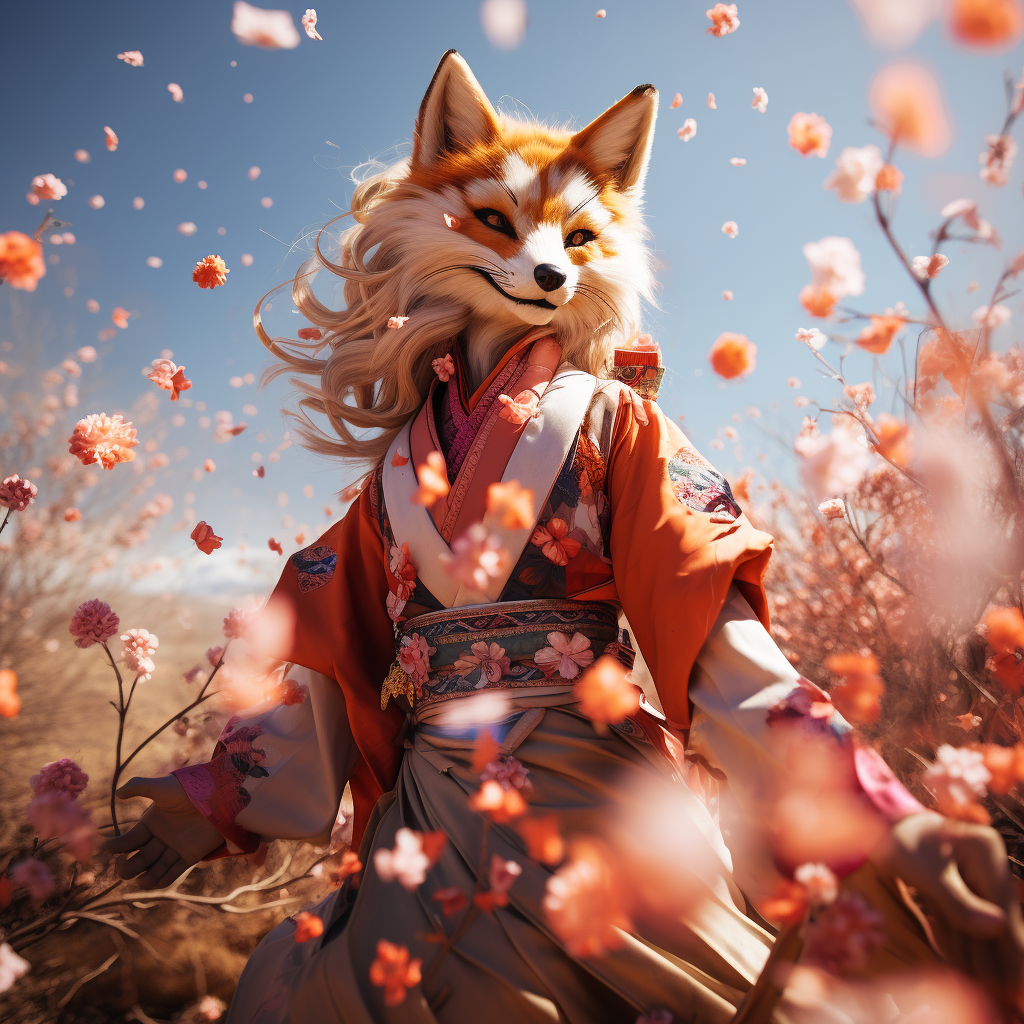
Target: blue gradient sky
{"type": "Point", "coordinates": [324, 107]}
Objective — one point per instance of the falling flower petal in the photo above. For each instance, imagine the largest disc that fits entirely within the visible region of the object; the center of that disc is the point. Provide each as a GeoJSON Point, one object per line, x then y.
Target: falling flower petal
{"type": "Point", "coordinates": [723, 20]}
{"type": "Point", "coordinates": [433, 480]}
{"type": "Point", "coordinates": [760, 100]}
{"type": "Point", "coordinates": [712, 105]}
{"type": "Point", "coordinates": [206, 540]}
{"type": "Point", "coordinates": [986, 23]}
{"type": "Point", "coordinates": [309, 24]}
{"type": "Point", "coordinates": [131, 57]}
{"type": "Point", "coordinates": [395, 322]}
{"type": "Point", "coordinates": [733, 355]}
{"type": "Point", "coordinates": [677, 101]}
{"type": "Point", "coordinates": [730, 228]}
{"type": "Point", "coordinates": [111, 138]}
{"type": "Point", "coordinates": [809, 134]}
{"type": "Point", "coordinates": [688, 130]}
{"type": "Point", "coordinates": [256, 26]}
{"type": "Point", "coordinates": [176, 92]}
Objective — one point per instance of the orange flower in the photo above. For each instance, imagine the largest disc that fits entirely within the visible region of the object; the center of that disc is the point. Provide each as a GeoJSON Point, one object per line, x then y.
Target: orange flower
{"type": "Point", "coordinates": [111, 138]}
{"type": "Point", "coordinates": [818, 301]}
{"type": "Point", "coordinates": [1004, 632]}
{"type": "Point", "coordinates": [878, 336]}
{"type": "Point", "coordinates": [21, 261]}
{"type": "Point", "coordinates": [809, 134]}
{"type": "Point", "coordinates": [394, 972]}
{"type": "Point", "coordinates": [605, 693]}
{"type": "Point", "coordinates": [732, 355]}
{"type": "Point", "coordinates": [889, 179]}
{"type": "Point", "coordinates": [10, 702]}
{"type": "Point", "coordinates": [511, 504]}
{"type": "Point", "coordinates": [120, 317]}
{"type": "Point", "coordinates": [1005, 765]}
{"type": "Point", "coordinates": [986, 22]}
{"type": "Point", "coordinates": [520, 409]}
{"type": "Point", "coordinates": [210, 272]}
{"type": "Point", "coordinates": [169, 377]}
{"type": "Point", "coordinates": [206, 540]}
{"type": "Point", "coordinates": [859, 698]}
{"type": "Point", "coordinates": [308, 926]}
{"type": "Point", "coordinates": [552, 539]}
{"type": "Point", "coordinates": [499, 804]}
{"type": "Point", "coordinates": [105, 439]}
{"type": "Point", "coordinates": [452, 900]}
{"type": "Point", "coordinates": [485, 750]}
{"type": "Point", "coordinates": [907, 102]}
{"type": "Point", "coordinates": [72, 515]}
{"type": "Point", "coordinates": [947, 355]}
{"type": "Point", "coordinates": [788, 903]}
{"type": "Point", "coordinates": [543, 840]}
{"type": "Point", "coordinates": [893, 442]}
{"type": "Point", "coordinates": [275, 545]}
{"type": "Point", "coordinates": [433, 478]}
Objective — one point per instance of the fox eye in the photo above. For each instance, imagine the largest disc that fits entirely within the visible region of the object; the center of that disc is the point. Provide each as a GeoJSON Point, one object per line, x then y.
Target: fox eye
{"type": "Point", "coordinates": [579, 237]}
{"type": "Point", "coordinates": [495, 219]}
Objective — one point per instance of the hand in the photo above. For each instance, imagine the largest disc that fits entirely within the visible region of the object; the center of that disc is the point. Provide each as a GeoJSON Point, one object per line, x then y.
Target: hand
{"type": "Point", "coordinates": [962, 874]}
{"type": "Point", "coordinates": [170, 837]}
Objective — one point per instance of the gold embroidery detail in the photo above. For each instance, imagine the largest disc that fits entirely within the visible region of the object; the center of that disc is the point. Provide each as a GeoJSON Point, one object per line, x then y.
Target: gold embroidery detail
{"type": "Point", "coordinates": [396, 684]}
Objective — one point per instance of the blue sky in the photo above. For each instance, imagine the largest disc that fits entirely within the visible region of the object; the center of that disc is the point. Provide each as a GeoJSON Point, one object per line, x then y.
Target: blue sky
{"type": "Point", "coordinates": [321, 108]}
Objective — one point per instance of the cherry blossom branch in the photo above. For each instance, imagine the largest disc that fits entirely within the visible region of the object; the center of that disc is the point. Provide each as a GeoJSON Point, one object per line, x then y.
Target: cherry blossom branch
{"type": "Point", "coordinates": [4, 523]}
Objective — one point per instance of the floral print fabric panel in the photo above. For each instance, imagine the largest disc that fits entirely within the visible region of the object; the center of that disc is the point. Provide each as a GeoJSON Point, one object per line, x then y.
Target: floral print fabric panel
{"type": "Point", "coordinates": [699, 486]}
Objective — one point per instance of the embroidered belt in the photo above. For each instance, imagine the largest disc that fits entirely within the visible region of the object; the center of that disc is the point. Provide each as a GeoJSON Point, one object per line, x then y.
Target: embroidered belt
{"type": "Point", "coordinates": [456, 652]}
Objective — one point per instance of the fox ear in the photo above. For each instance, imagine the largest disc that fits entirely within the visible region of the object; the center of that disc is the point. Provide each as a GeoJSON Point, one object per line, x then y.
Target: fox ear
{"type": "Point", "coordinates": [618, 143]}
{"type": "Point", "coordinates": [454, 114]}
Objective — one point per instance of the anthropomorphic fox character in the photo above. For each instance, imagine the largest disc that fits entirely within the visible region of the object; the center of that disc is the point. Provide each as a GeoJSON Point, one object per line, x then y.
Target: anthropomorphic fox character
{"type": "Point", "coordinates": [535, 843]}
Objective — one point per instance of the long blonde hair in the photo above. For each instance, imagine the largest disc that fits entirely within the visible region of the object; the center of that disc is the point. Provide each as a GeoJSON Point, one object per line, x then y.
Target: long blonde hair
{"type": "Point", "coordinates": [374, 378]}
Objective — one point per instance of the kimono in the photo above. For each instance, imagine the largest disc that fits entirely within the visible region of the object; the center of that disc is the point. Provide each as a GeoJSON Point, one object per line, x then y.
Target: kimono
{"type": "Point", "coordinates": [630, 526]}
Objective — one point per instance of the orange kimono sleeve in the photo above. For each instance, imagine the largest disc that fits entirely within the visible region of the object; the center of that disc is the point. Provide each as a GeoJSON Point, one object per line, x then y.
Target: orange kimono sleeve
{"type": "Point", "coordinates": [678, 541]}
{"type": "Point", "coordinates": [336, 590]}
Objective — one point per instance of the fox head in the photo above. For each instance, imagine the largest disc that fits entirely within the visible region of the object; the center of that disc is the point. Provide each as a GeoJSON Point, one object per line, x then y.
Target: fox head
{"type": "Point", "coordinates": [548, 227]}
{"type": "Point", "coordinates": [493, 227]}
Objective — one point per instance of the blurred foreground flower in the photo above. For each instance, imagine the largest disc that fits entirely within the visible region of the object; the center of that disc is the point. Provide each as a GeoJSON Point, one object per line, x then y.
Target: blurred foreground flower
{"type": "Point", "coordinates": [477, 556]}
{"type": "Point", "coordinates": [36, 877]}
{"type": "Point", "coordinates": [211, 271]}
{"type": "Point", "coordinates": [433, 480]}
{"type": "Point", "coordinates": [907, 103]}
{"type": "Point", "coordinates": [206, 540]}
{"type": "Point", "coordinates": [859, 698]}
{"type": "Point", "coordinates": [1004, 633]}
{"type": "Point", "coordinates": [986, 22]}
{"type": "Point", "coordinates": [843, 937]}
{"type": "Point", "coordinates": [21, 261]}
{"type": "Point", "coordinates": [809, 134]}
{"type": "Point", "coordinates": [835, 273]}
{"type": "Point", "coordinates": [10, 702]}
{"type": "Point", "coordinates": [760, 100]}
{"type": "Point", "coordinates": [105, 439]}
{"type": "Point", "coordinates": [958, 780]}
{"type": "Point", "coordinates": [855, 175]}
{"type": "Point", "coordinates": [12, 967]}
{"type": "Point", "coordinates": [255, 26]}
{"type": "Point", "coordinates": [511, 505]}
{"type": "Point", "coordinates": [394, 972]}
{"type": "Point", "coordinates": [308, 926]}
{"type": "Point", "coordinates": [605, 693]}
{"type": "Point", "coordinates": [57, 816]}
{"type": "Point", "coordinates": [500, 876]}
{"type": "Point", "coordinates": [733, 355]}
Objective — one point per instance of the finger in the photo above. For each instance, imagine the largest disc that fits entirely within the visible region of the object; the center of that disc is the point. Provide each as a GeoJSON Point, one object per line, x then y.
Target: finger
{"type": "Point", "coordinates": [981, 859]}
{"type": "Point", "coordinates": [148, 788]}
{"type": "Point", "coordinates": [160, 868]}
{"type": "Point", "coordinates": [131, 840]}
{"type": "Point", "coordinates": [965, 908]}
{"type": "Point", "coordinates": [129, 867]}
{"type": "Point", "coordinates": [172, 873]}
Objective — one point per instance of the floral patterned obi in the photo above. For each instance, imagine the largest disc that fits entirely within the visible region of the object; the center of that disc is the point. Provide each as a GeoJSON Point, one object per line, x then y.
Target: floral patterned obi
{"type": "Point", "coordinates": [456, 652]}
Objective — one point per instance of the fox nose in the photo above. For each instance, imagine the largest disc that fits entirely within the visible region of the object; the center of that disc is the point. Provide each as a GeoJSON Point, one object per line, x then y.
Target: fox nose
{"type": "Point", "coordinates": [548, 276]}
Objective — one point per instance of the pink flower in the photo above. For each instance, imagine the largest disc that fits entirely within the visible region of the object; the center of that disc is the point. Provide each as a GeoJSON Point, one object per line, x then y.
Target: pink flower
{"type": "Point", "coordinates": [809, 134]}
{"type": "Point", "coordinates": [56, 815]}
{"type": "Point", "coordinates": [48, 187]}
{"type": "Point", "coordinates": [477, 557]}
{"type": "Point", "coordinates": [958, 778]}
{"type": "Point", "coordinates": [821, 884]}
{"type": "Point", "coordinates": [167, 376]}
{"type": "Point", "coordinates": [139, 644]}
{"type": "Point", "coordinates": [192, 674]}
{"type": "Point", "coordinates": [271, 30]}
{"type": "Point", "coordinates": [177, 94]}
{"type": "Point", "coordinates": [835, 266]}
{"type": "Point", "coordinates": [93, 623]}
{"type": "Point", "coordinates": [213, 655]}
{"type": "Point", "coordinates": [760, 100]}
{"type": "Point", "coordinates": [565, 657]}
{"type": "Point", "coordinates": [17, 494]}
{"type": "Point", "coordinates": [397, 322]}
{"type": "Point", "coordinates": [489, 659]}
{"type": "Point", "coordinates": [500, 875]}
{"type": "Point", "coordinates": [998, 159]}
{"type": "Point", "coordinates": [521, 409]}
{"type": "Point", "coordinates": [677, 101]}
{"type": "Point", "coordinates": [444, 367]}
{"type": "Point", "coordinates": [35, 876]}
{"type": "Point", "coordinates": [131, 57]}
{"type": "Point", "coordinates": [414, 657]}
{"type": "Point", "coordinates": [309, 24]}
{"type": "Point", "coordinates": [206, 540]}
{"type": "Point", "coordinates": [688, 130]}
{"type": "Point", "coordinates": [856, 171]}
{"type": "Point", "coordinates": [63, 776]}
{"type": "Point", "coordinates": [509, 773]}
{"type": "Point", "coordinates": [712, 105]}
{"type": "Point", "coordinates": [730, 228]}
{"type": "Point", "coordinates": [723, 20]}
{"type": "Point", "coordinates": [927, 267]}
{"type": "Point", "coordinates": [406, 863]}
{"type": "Point", "coordinates": [394, 971]}
{"type": "Point", "coordinates": [12, 967]}
{"type": "Point", "coordinates": [238, 622]}
{"type": "Point", "coordinates": [832, 508]}
{"type": "Point", "coordinates": [812, 338]}
{"type": "Point", "coordinates": [403, 570]}
{"type": "Point", "coordinates": [606, 694]}
{"type": "Point", "coordinates": [105, 439]}
{"type": "Point", "coordinates": [211, 1008]}
{"type": "Point", "coordinates": [552, 539]}
{"type": "Point", "coordinates": [844, 936]}
{"type": "Point", "coordinates": [991, 317]}
{"type": "Point", "coordinates": [907, 102]}
{"type": "Point", "coordinates": [110, 137]}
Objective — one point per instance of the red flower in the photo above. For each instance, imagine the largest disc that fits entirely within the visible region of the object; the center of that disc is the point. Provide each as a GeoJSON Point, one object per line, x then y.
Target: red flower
{"type": "Point", "coordinates": [394, 972]}
{"type": "Point", "coordinates": [308, 926]}
{"type": "Point", "coordinates": [859, 699]}
{"type": "Point", "coordinates": [1004, 631]}
{"type": "Point", "coordinates": [732, 355]}
{"type": "Point", "coordinates": [206, 540]}
{"type": "Point", "coordinates": [552, 539]}
{"type": "Point", "coordinates": [275, 546]}
{"type": "Point", "coordinates": [210, 272]}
